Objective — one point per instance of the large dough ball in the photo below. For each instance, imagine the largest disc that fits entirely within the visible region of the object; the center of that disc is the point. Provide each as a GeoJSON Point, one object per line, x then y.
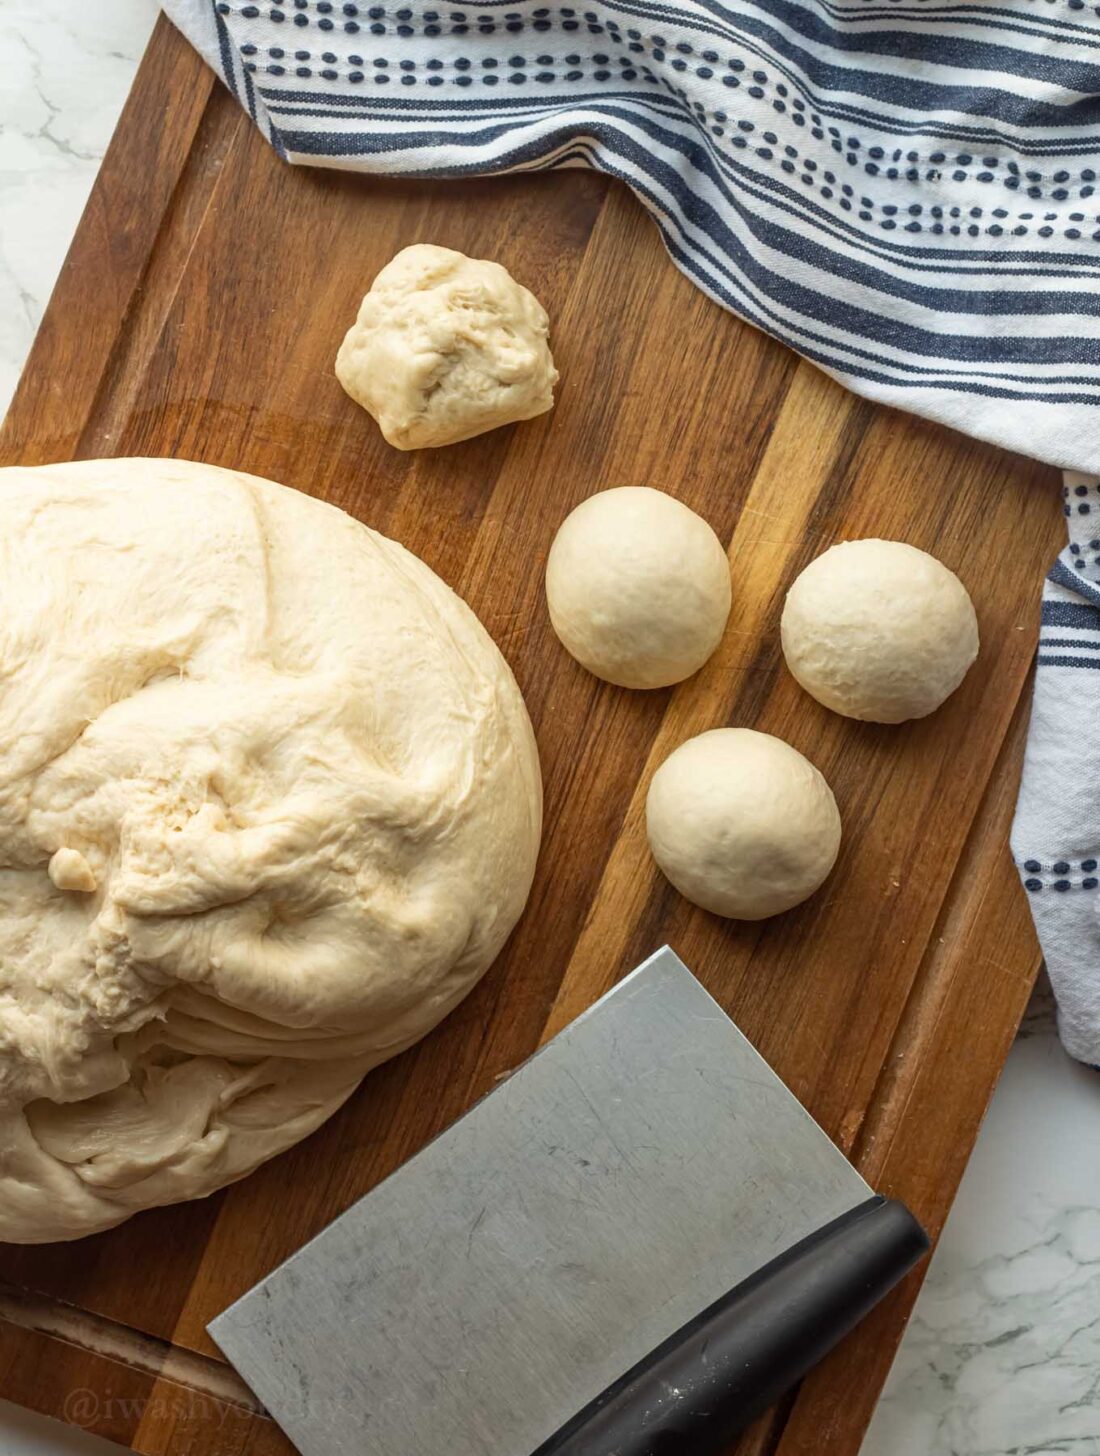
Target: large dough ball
{"type": "Point", "coordinates": [638, 587]}
{"type": "Point", "coordinates": [741, 823]}
{"type": "Point", "coordinates": [269, 806]}
{"type": "Point", "coordinates": [878, 630]}
{"type": "Point", "coordinates": [446, 347]}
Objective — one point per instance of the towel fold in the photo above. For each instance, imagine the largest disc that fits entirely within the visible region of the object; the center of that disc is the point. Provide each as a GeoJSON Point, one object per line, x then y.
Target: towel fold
{"type": "Point", "coordinates": [1056, 834]}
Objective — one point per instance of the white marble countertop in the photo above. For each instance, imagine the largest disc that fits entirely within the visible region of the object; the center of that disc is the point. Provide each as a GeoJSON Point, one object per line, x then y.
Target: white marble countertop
{"type": "Point", "coordinates": [1002, 1357]}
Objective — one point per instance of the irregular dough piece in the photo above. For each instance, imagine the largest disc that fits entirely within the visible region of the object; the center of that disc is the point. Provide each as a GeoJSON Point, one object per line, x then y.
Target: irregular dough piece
{"type": "Point", "coordinates": [446, 347]}
{"type": "Point", "coordinates": [879, 630]}
{"type": "Point", "coordinates": [638, 587]}
{"type": "Point", "coordinates": [304, 787]}
{"type": "Point", "coordinates": [69, 870]}
{"type": "Point", "coordinates": [741, 823]}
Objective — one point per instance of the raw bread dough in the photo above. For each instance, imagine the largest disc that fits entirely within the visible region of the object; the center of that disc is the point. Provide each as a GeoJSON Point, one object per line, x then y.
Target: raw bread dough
{"type": "Point", "coordinates": [69, 870]}
{"type": "Point", "coordinates": [446, 347]}
{"type": "Point", "coordinates": [878, 630]}
{"type": "Point", "coordinates": [304, 787]}
{"type": "Point", "coordinates": [741, 823]}
{"type": "Point", "coordinates": [638, 587]}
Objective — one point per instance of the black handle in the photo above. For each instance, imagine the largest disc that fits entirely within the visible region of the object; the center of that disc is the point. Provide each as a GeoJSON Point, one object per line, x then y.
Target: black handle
{"type": "Point", "coordinates": [717, 1373]}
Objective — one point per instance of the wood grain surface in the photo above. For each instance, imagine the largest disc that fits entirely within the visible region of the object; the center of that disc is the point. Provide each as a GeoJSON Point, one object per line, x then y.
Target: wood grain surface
{"type": "Point", "coordinates": [198, 314]}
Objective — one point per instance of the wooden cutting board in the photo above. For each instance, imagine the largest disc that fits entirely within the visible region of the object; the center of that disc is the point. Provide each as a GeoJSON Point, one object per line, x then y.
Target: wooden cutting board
{"type": "Point", "coordinates": [198, 314]}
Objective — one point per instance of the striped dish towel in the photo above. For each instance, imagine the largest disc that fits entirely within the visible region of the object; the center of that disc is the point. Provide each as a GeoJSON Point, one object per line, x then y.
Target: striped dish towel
{"type": "Point", "coordinates": [1056, 836]}
{"type": "Point", "coordinates": [904, 191]}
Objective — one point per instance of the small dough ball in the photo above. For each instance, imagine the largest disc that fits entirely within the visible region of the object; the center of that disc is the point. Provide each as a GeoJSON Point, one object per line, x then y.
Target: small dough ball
{"type": "Point", "coordinates": [446, 347]}
{"type": "Point", "coordinates": [741, 823]}
{"type": "Point", "coordinates": [638, 587]}
{"type": "Point", "coordinates": [69, 870]}
{"type": "Point", "coordinates": [878, 630]}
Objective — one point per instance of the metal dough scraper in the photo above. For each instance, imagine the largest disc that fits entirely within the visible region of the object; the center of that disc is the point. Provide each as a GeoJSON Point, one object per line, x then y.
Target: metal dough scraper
{"type": "Point", "coordinates": [630, 1247]}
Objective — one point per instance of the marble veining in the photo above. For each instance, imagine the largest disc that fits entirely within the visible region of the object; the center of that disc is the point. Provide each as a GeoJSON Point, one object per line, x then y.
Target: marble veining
{"type": "Point", "coordinates": [1002, 1357]}
{"type": "Point", "coordinates": [67, 67]}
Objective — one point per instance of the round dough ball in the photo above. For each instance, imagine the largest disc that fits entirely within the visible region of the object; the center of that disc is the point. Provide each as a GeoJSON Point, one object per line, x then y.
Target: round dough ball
{"type": "Point", "coordinates": [638, 587]}
{"type": "Point", "coordinates": [269, 806]}
{"type": "Point", "coordinates": [741, 823]}
{"type": "Point", "coordinates": [446, 347]}
{"type": "Point", "coordinates": [878, 630]}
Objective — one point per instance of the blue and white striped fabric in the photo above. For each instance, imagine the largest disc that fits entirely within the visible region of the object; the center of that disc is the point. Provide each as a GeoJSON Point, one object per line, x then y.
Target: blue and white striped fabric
{"type": "Point", "coordinates": [904, 191]}
{"type": "Point", "coordinates": [1056, 836]}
